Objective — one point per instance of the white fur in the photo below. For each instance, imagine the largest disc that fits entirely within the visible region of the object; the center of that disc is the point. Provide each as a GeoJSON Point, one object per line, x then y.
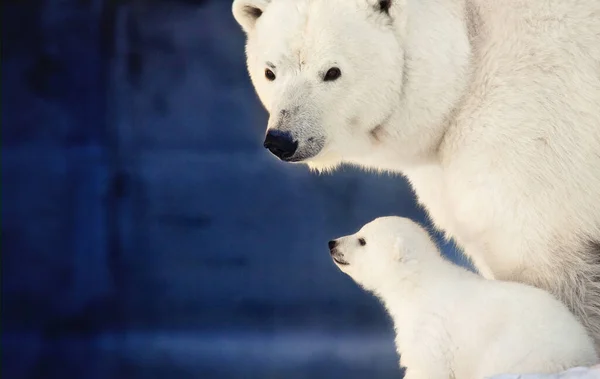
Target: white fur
{"type": "Point", "coordinates": [574, 373]}
{"type": "Point", "coordinates": [451, 323]}
{"type": "Point", "coordinates": [490, 108]}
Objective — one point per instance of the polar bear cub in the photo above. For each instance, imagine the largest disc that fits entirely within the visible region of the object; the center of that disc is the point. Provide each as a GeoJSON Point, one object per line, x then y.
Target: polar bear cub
{"type": "Point", "coordinates": [451, 323]}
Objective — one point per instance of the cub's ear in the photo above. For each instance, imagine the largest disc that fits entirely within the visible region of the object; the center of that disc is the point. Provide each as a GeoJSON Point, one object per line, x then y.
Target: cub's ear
{"type": "Point", "coordinates": [246, 12]}
{"type": "Point", "coordinates": [399, 249]}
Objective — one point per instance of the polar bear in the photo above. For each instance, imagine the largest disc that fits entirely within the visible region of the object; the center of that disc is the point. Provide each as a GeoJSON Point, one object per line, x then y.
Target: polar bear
{"type": "Point", "coordinates": [452, 323]}
{"type": "Point", "coordinates": [491, 109]}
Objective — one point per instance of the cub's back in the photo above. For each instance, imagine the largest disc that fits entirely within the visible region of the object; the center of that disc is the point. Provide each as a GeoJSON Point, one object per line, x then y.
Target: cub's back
{"type": "Point", "coordinates": [527, 330]}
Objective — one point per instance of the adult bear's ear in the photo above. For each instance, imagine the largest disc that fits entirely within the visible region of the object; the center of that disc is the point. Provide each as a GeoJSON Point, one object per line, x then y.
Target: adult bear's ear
{"type": "Point", "coordinates": [246, 12]}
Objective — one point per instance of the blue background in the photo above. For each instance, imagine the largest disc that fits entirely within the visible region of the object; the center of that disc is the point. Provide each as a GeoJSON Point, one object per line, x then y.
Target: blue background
{"type": "Point", "coordinates": [145, 231]}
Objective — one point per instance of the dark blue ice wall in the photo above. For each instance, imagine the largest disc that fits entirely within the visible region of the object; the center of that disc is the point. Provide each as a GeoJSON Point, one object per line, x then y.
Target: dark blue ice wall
{"type": "Point", "coordinates": [137, 199]}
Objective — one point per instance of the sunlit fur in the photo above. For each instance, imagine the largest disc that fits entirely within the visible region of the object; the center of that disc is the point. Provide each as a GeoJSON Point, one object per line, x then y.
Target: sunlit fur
{"type": "Point", "coordinates": [451, 323]}
{"type": "Point", "coordinates": [490, 108]}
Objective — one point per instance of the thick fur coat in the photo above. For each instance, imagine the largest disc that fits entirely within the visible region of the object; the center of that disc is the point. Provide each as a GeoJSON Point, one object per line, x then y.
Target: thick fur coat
{"type": "Point", "coordinates": [491, 109]}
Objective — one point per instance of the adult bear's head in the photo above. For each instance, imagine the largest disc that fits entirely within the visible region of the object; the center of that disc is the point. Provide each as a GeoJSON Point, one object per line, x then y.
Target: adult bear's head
{"type": "Point", "coordinates": [332, 75]}
{"type": "Point", "coordinates": [329, 72]}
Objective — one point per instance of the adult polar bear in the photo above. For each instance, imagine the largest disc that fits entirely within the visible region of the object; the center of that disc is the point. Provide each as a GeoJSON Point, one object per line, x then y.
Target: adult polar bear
{"type": "Point", "coordinates": [491, 109]}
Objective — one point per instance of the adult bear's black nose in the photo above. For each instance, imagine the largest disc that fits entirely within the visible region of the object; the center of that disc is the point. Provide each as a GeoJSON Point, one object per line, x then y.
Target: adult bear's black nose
{"type": "Point", "coordinates": [281, 144]}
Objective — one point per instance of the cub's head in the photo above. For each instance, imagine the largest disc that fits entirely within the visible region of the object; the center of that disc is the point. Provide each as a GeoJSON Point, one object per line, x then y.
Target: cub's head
{"type": "Point", "coordinates": [382, 249]}
{"type": "Point", "coordinates": [329, 72]}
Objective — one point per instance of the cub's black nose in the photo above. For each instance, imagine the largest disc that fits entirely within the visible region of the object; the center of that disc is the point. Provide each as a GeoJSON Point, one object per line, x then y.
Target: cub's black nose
{"type": "Point", "coordinates": [281, 144]}
{"type": "Point", "coordinates": [332, 244]}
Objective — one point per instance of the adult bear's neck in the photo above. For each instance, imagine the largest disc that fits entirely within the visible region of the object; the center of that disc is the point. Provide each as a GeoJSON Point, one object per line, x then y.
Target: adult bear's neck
{"type": "Point", "coordinates": [438, 37]}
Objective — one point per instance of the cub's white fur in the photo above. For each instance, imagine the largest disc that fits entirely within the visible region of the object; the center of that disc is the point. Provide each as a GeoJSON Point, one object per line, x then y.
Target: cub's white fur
{"type": "Point", "coordinates": [490, 108]}
{"type": "Point", "coordinates": [451, 323]}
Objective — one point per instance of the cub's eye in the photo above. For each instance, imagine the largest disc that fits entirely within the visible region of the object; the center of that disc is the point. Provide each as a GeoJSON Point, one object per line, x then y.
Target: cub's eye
{"type": "Point", "coordinates": [269, 75]}
{"type": "Point", "coordinates": [384, 6]}
{"type": "Point", "coordinates": [332, 74]}
{"type": "Point", "coordinates": [362, 241]}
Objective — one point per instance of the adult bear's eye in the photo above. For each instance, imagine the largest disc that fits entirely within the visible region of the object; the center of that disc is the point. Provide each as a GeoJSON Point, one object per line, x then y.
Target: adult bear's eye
{"type": "Point", "coordinates": [269, 75]}
{"type": "Point", "coordinates": [332, 74]}
{"type": "Point", "coordinates": [362, 241]}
